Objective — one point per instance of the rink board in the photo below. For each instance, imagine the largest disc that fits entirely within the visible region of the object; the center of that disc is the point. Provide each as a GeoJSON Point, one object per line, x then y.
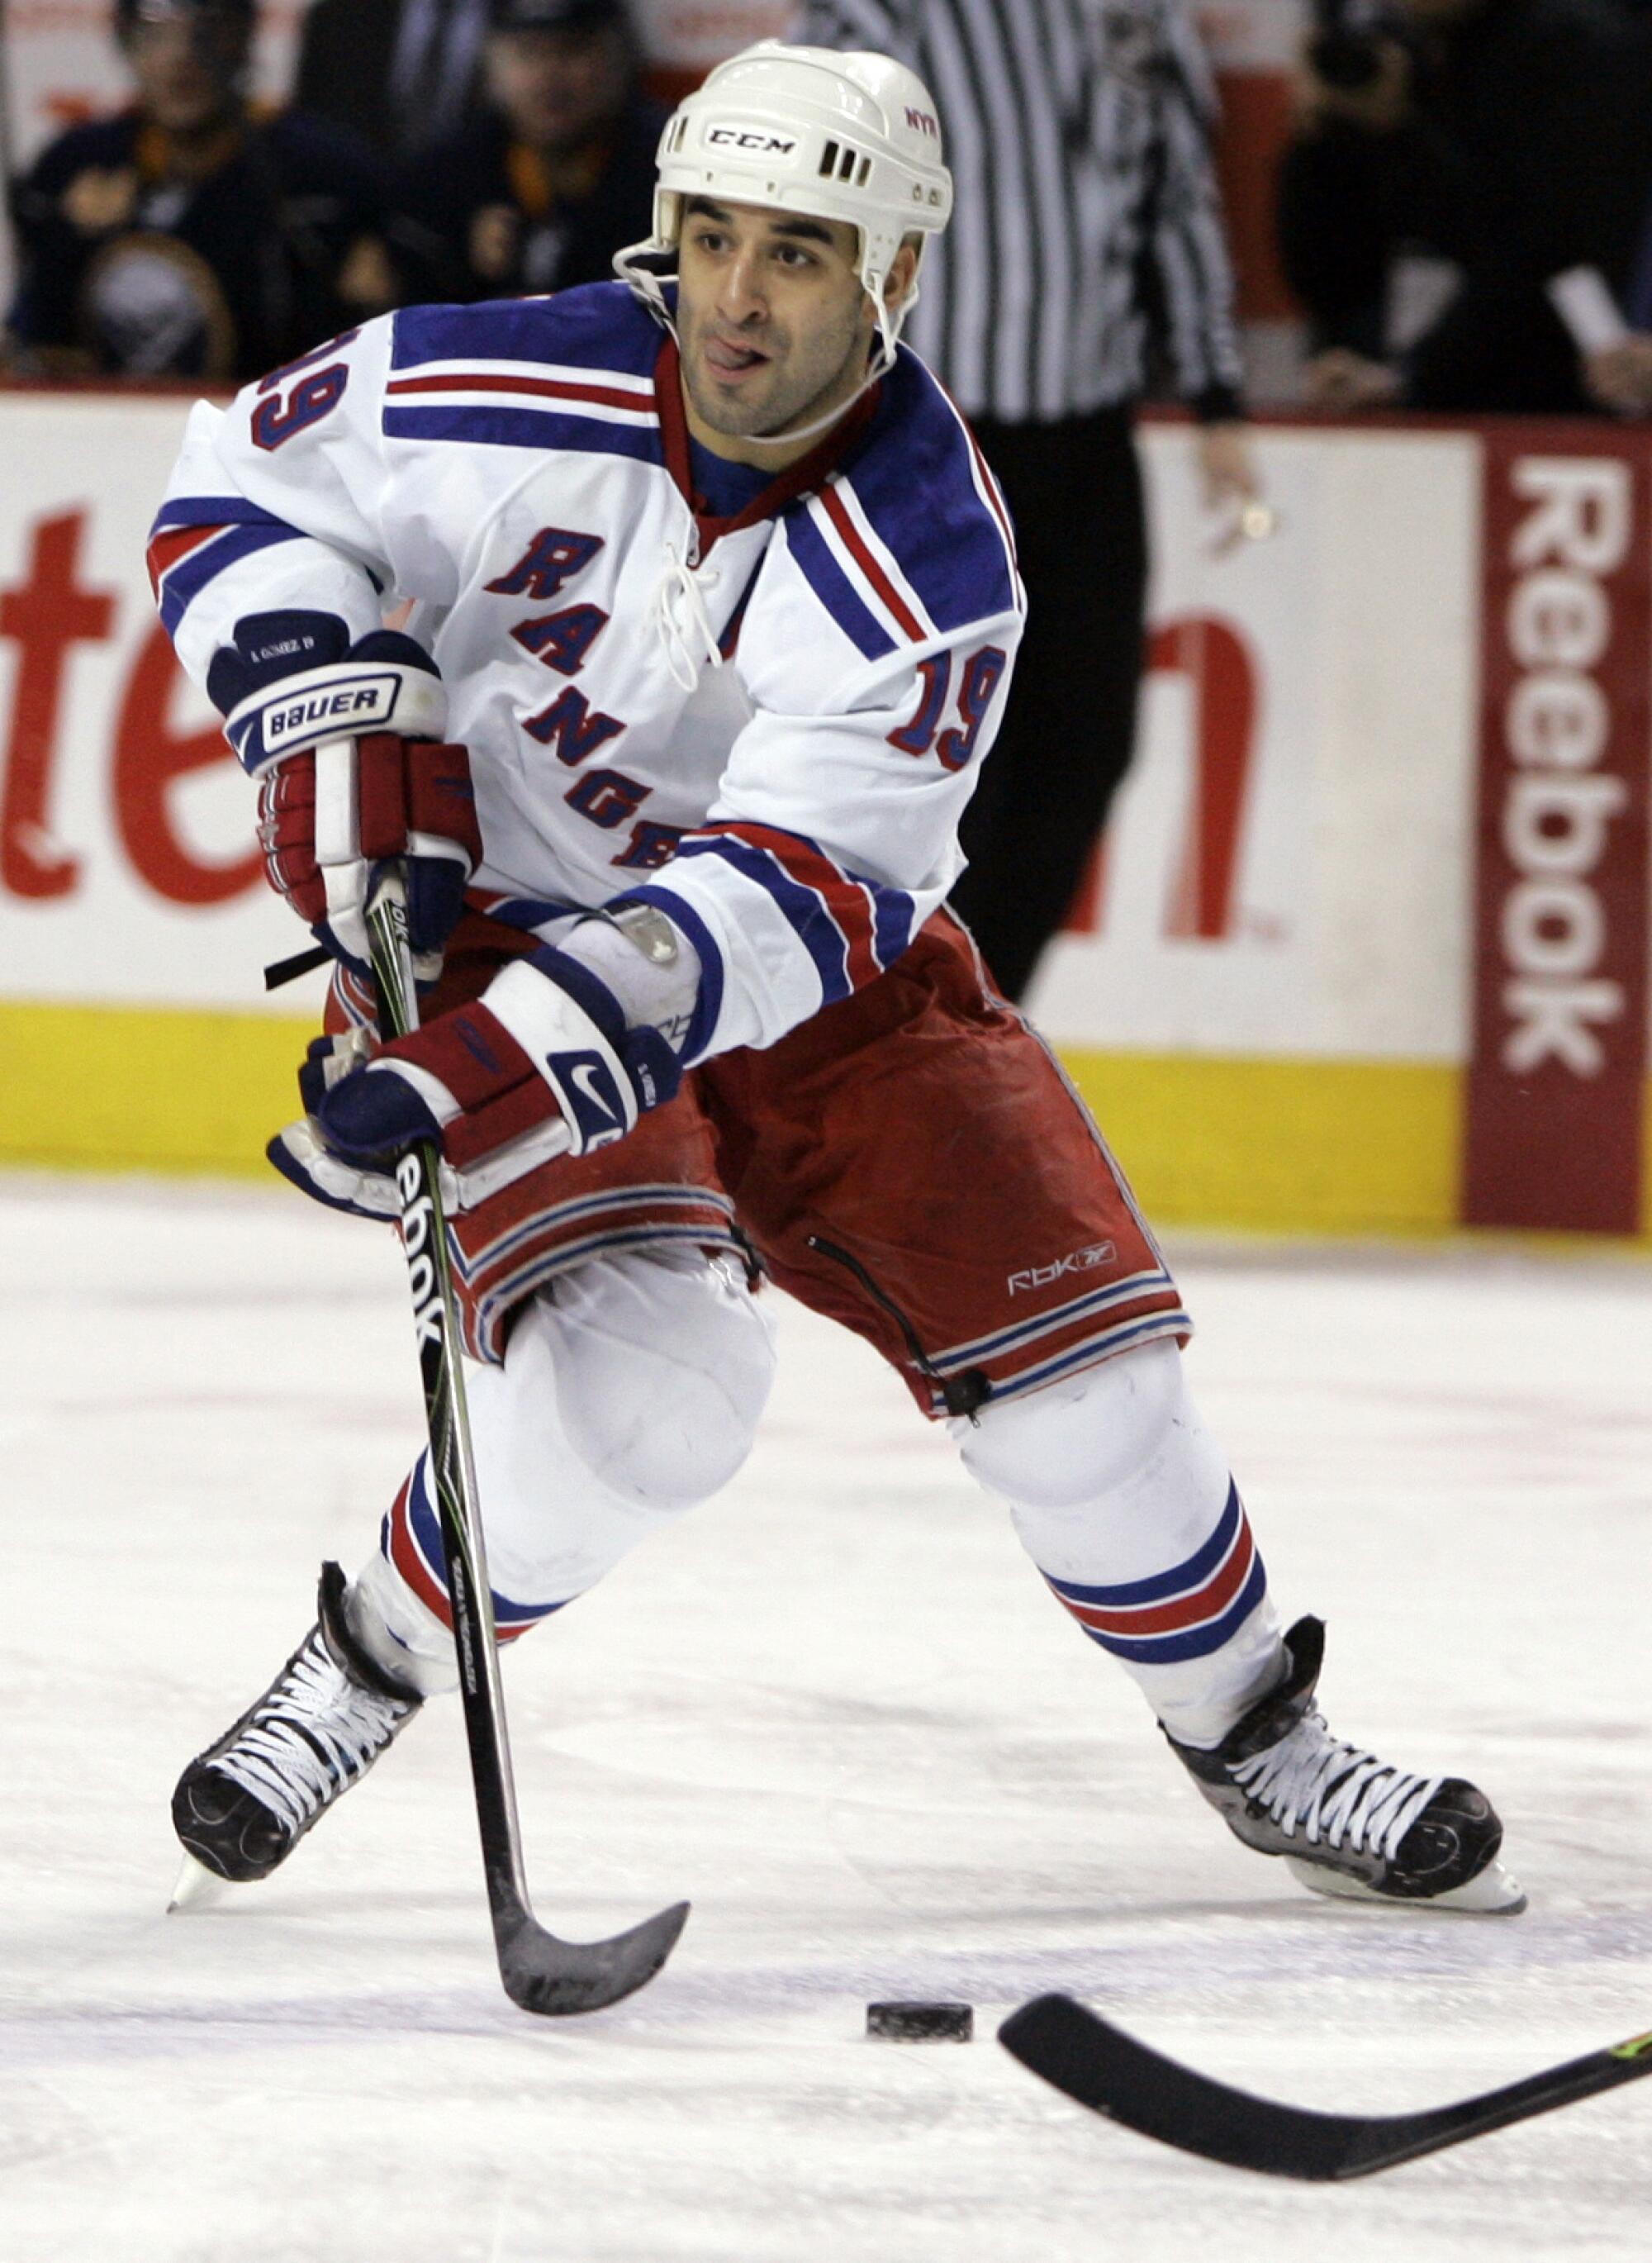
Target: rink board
{"type": "Point", "coordinates": [1392, 775]}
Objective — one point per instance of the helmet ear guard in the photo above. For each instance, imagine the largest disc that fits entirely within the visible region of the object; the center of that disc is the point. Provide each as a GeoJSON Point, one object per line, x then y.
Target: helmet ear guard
{"type": "Point", "coordinates": [853, 138]}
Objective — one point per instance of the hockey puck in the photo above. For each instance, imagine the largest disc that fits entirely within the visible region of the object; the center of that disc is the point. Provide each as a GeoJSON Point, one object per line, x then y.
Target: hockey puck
{"type": "Point", "coordinates": [922, 2023]}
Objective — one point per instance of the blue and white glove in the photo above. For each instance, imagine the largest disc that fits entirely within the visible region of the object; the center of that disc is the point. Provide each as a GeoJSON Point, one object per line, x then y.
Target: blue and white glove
{"type": "Point", "coordinates": [542, 1065]}
{"type": "Point", "coordinates": [345, 740]}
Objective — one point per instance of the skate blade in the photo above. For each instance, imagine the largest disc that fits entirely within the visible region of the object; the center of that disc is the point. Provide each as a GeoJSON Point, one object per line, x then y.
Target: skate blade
{"type": "Point", "coordinates": [198, 1888]}
{"type": "Point", "coordinates": [1495, 1892]}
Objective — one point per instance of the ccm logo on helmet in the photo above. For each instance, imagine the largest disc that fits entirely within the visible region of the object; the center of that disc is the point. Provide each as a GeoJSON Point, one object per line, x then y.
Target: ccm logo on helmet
{"type": "Point", "coordinates": [741, 137]}
{"type": "Point", "coordinates": [921, 122]}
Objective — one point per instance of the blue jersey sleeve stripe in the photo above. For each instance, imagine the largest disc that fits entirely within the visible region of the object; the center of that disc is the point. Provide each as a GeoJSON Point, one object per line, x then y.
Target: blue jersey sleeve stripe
{"type": "Point", "coordinates": [526, 428]}
{"type": "Point", "coordinates": [804, 910]}
{"type": "Point", "coordinates": [598, 326]}
{"type": "Point", "coordinates": [213, 510]}
{"type": "Point", "coordinates": [830, 583]}
{"type": "Point", "coordinates": [187, 579]}
{"type": "Point", "coordinates": [708, 1004]}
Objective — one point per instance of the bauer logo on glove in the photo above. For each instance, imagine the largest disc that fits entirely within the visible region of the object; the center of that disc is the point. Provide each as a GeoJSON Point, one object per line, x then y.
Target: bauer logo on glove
{"type": "Point", "coordinates": [353, 700]}
{"type": "Point", "coordinates": [346, 742]}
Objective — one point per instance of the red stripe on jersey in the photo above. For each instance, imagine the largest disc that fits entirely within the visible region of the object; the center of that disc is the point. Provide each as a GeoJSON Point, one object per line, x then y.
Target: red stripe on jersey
{"type": "Point", "coordinates": [990, 485]}
{"type": "Point", "coordinates": [845, 899]}
{"type": "Point", "coordinates": [167, 550]}
{"type": "Point", "coordinates": [1206, 1603]}
{"type": "Point", "coordinates": [553, 388]}
{"type": "Point", "coordinates": [855, 544]}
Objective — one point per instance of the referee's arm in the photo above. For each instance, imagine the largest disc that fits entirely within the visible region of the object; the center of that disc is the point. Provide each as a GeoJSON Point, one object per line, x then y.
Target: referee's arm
{"type": "Point", "coordinates": [1188, 246]}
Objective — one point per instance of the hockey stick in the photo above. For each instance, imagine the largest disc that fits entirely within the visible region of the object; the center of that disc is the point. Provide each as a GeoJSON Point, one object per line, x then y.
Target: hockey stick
{"type": "Point", "coordinates": [1109, 2071]}
{"type": "Point", "coordinates": [540, 1972]}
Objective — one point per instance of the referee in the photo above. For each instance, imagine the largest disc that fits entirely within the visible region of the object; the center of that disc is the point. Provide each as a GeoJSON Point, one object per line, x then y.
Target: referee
{"type": "Point", "coordinates": [1086, 224]}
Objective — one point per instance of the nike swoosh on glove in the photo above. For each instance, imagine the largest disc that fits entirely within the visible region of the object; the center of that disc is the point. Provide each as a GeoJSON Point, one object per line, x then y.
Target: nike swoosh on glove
{"type": "Point", "coordinates": [542, 1065]}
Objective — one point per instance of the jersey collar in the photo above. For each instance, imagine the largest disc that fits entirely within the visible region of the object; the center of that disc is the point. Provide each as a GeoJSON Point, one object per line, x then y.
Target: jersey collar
{"type": "Point", "coordinates": [801, 478]}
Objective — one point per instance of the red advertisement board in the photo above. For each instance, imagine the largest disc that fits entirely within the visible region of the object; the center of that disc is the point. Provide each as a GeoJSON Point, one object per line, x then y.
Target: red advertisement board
{"type": "Point", "coordinates": [1557, 1075]}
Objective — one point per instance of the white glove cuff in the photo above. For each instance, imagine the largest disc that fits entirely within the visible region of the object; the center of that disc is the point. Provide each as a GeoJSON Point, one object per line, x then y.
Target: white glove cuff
{"type": "Point", "coordinates": [590, 1083]}
{"type": "Point", "coordinates": [542, 1019]}
{"type": "Point", "coordinates": [342, 700]}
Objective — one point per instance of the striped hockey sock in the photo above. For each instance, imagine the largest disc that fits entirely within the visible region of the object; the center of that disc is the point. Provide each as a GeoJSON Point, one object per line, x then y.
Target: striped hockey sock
{"type": "Point", "coordinates": [1200, 1637]}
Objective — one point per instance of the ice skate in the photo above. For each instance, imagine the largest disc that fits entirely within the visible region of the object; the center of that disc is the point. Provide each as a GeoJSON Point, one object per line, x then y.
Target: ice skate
{"type": "Point", "coordinates": [243, 1806]}
{"type": "Point", "coordinates": [1347, 1823]}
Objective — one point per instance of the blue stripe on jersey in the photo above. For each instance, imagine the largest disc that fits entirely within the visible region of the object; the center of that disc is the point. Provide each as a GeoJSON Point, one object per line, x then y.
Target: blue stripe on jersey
{"type": "Point", "coordinates": [708, 1004]}
{"type": "Point", "coordinates": [804, 908]}
{"type": "Point", "coordinates": [917, 487]}
{"type": "Point", "coordinates": [599, 326]}
{"type": "Point", "coordinates": [1192, 1573]}
{"type": "Point", "coordinates": [893, 916]}
{"type": "Point", "coordinates": [731, 636]}
{"type": "Point", "coordinates": [213, 510]}
{"type": "Point", "coordinates": [187, 579]}
{"type": "Point", "coordinates": [528, 914]}
{"type": "Point", "coordinates": [826, 578]}
{"type": "Point", "coordinates": [527, 428]}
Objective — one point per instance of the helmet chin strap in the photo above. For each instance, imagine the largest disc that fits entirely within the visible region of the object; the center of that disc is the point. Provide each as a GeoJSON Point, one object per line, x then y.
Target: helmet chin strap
{"type": "Point", "coordinates": [882, 362]}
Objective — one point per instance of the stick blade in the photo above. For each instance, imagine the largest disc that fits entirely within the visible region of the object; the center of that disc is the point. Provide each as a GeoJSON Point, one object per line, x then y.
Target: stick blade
{"type": "Point", "coordinates": [1101, 2067]}
{"type": "Point", "coordinates": [562, 1978]}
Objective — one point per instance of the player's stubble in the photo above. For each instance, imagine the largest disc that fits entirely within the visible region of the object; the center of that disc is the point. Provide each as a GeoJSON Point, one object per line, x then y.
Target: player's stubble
{"type": "Point", "coordinates": [809, 364]}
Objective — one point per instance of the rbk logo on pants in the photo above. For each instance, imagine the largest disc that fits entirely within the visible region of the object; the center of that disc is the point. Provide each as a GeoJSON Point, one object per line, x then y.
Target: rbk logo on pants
{"type": "Point", "coordinates": [1078, 1260]}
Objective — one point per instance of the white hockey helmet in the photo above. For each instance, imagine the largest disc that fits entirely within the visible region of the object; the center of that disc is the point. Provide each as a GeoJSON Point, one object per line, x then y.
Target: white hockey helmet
{"type": "Point", "coordinates": [847, 137]}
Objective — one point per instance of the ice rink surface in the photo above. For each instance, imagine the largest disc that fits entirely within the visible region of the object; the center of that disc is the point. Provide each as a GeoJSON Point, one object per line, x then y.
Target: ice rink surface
{"type": "Point", "coordinates": [838, 1710]}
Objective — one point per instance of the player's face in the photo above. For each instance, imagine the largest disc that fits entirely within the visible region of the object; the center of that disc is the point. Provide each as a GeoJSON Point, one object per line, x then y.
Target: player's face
{"type": "Point", "coordinates": [773, 322]}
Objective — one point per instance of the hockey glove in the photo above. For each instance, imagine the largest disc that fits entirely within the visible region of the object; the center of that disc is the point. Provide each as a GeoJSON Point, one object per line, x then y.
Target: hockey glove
{"type": "Point", "coordinates": [344, 740]}
{"type": "Point", "coordinates": [542, 1066]}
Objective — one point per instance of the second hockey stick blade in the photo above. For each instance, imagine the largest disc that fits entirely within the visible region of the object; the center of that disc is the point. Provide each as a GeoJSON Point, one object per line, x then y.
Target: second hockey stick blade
{"type": "Point", "coordinates": [1109, 2071]}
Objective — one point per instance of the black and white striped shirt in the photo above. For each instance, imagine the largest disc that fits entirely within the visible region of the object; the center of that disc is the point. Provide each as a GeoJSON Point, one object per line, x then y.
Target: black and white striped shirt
{"type": "Point", "coordinates": [1078, 136]}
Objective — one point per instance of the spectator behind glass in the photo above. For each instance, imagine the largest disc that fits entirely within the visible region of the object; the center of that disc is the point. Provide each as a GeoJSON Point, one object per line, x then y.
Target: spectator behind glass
{"type": "Point", "coordinates": [541, 189]}
{"type": "Point", "coordinates": [402, 73]}
{"type": "Point", "coordinates": [1510, 137]}
{"type": "Point", "coordinates": [188, 236]}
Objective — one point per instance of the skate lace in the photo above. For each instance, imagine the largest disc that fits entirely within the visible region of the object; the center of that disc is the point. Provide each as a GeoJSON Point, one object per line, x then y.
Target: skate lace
{"type": "Point", "coordinates": [685, 626]}
{"type": "Point", "coordinates": [1311, 1782]}
{"type": "Point", "coordinates": [315, 1732]}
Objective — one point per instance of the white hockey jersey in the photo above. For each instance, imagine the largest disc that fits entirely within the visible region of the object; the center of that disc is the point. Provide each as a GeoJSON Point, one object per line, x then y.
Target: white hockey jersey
{"type": "Point", "coordinates": [767, 724]}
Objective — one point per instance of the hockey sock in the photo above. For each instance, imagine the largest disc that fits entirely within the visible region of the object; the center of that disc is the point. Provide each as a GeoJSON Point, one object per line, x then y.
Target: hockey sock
{"type": "Point", "coordinates": [1126, 1505]}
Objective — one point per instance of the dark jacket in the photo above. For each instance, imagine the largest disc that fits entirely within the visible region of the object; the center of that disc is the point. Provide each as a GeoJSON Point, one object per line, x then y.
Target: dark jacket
{"type": "Point", "coordinates": [222, 277]}
{"type": "Point", "coordinates": [539, 245]}
{"type": "Point", "coordinates": [1528, 151]}
{"type": "Point", "coordinates": [344, 64]}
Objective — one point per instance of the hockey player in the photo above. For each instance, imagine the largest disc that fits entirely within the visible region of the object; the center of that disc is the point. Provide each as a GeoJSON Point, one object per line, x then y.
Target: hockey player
{"type": "Point", "coordinates": [716, 607]}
